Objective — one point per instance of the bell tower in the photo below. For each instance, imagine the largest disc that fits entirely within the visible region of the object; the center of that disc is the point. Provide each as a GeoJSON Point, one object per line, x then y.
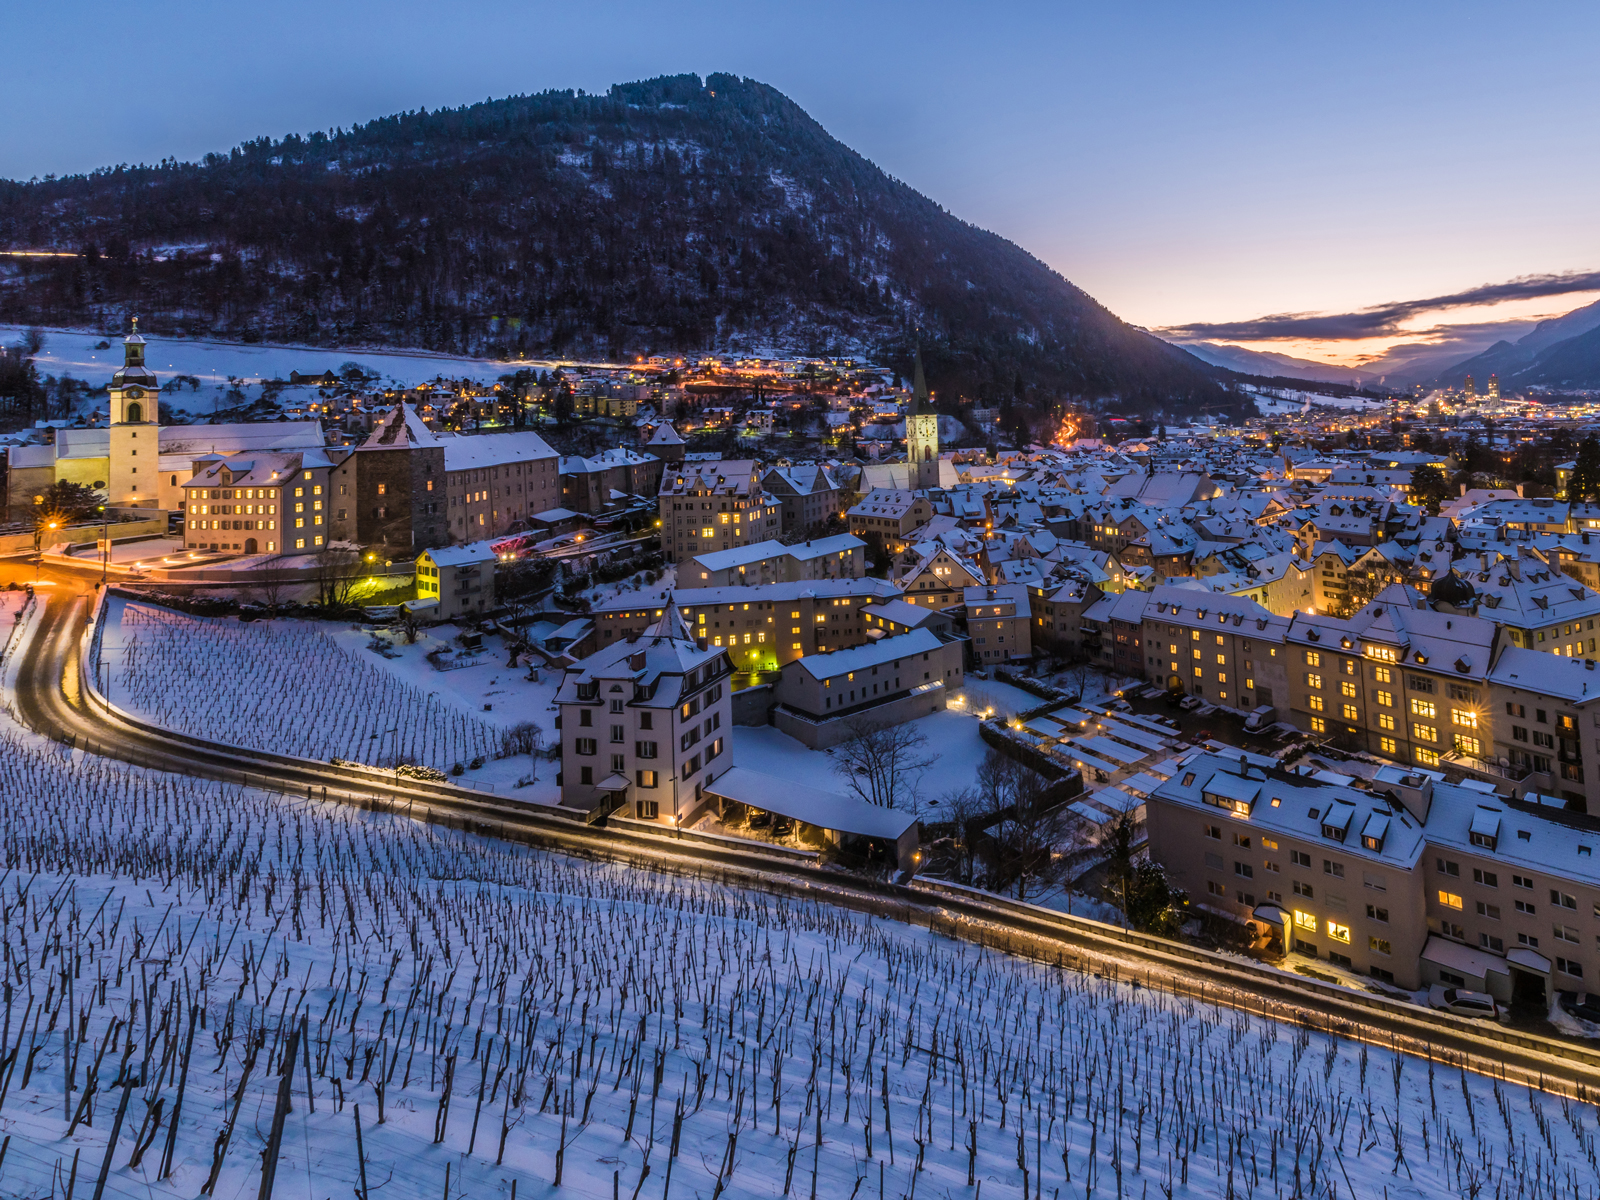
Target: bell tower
{"type": "Point", "coordinates": [922, 434]}
{"type": "Point", "coordinates": [133, 473]}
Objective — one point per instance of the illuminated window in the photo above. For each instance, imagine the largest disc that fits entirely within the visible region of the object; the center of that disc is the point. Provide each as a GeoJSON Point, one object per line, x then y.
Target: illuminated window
{"type": "Point", "coordinates": [708, 532]}
{"type": "Point", "coordinates": [1384, 653]}
{"type": "Point", "coordinates": [1313, 659]}
{"type": "Point", "coordinates": [1428, 758]}
{"type": "Point", "coordinates": [1305, 920]}
{"type": "Point", "coordinates": [1386, 745]}
{"type": "Point", "coordinates": [1382, 675]}
{"type": "Point", "coordinates": [1350, 713]}
{"type": "Point", "coordinates": [1465, 717]}
{"type": "Point", "coordinates": [1346, 688]}
{"type": "Point", "coordinates": [1386, 699]}
{"type": "Point", "coordinates": [1222, 660]}
{"type": "Point", "coordinates": [1315, 703]}
{"type": "Point", "coordinates": [1450, 900]}
{"type": "Point", "coordinates": [1385, 721]}
{"type": "Point", "coordinates": [1424, 733]}
{"type": "Point", "coordinates": [1313, 680]}
{"type": "Point", "coordinates": [1423, 708]}
{"type": "Point", "coordinates": [1318, 725]}
{"type": "Point", "coordinates": [1339, 933]}
{"type": "Point", "coordinates": [1467, 744]}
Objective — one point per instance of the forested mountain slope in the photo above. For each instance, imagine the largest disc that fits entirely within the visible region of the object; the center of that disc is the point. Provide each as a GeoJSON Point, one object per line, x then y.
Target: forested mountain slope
{"type": "Point", "coordinates": [668, 215]}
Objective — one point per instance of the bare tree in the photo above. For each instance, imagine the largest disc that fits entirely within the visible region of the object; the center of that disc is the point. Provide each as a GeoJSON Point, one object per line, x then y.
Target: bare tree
{"type": "Point", "coordinates": [272, 582]}
{"type": "Point", "coordinates": [1005, 785]}
{"type": "Point", "coordinates": [882, 764]}
{"type": "Point", "coordinates": [338, 571]}
{"type": "Point", "coordinates": [409, 623]}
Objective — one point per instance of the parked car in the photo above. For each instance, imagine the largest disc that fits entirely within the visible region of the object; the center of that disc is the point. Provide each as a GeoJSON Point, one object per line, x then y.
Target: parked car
{"type": "Point", "coordinates": [1259, 718]}
{"type": "Point", "coordinates": [1583, 1005]}
{"type": "Point", "coordinates": [1120, 706]}
{"type": "Point", "coordinates": [1174, 698]}
{"type": "Point", "coordinates": [1190, 703]}
{"type": "Point", "coordinates": [1462, 1002]}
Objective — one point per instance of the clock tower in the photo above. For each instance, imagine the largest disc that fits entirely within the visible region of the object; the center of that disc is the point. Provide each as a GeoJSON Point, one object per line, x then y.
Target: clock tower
{"type": "Point", "coordinates": [133, 474]}
{"type": "Point", "coordinates": [922, 435]}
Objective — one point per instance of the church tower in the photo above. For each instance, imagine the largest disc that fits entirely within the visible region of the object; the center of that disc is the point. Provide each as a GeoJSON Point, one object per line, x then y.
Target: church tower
{"type": "Point", "coordinates": [922, 434]}
{"type": "Point", "coordinates": [133, 474]}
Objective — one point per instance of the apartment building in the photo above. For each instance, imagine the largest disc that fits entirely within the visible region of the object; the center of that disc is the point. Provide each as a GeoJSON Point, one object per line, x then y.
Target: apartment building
{"type": "Point", "coordinates": [764, 627]}
{"type": "Point", "coordinates": [1057, 610]}
{"type": "Point", "coordinates": [708, 506]}
{"type": "Point", "coordinates": [644, 725]}
{"type": "Point", "coordinates": [999, 623]}
{"type": "Point", "coordinates": [840, 557]}
{"type": "Point", "coordinates": [269, 502]}
{"type": "Point", "coordinates": [823, 699]}
{"type": "Point", "coordinates": [601, 482]}
{"type": "Point", "coordinates": [1226, 649]}
{"type": "Point", "coordinates": [1397, 679]}
{"type": "Point", "coordinates": [807, 493]}
{"type": "Point", "coordinates": [931, 573]}
{"type": "Point", "coordinates": [1540, 607]}
{"type": "Point", "coordinates": [890, 515]}
{"type": "Point", "coordinates": [1405, 877]}
{"type": "Point", "coordinates": [1540, 713]}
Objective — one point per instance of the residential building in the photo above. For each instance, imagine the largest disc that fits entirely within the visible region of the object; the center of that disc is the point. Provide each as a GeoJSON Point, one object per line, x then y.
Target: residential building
{"type": "Point", "coordinates": [267, 503]}
{"type": "Point", "coordinates": [1226, 649]}
{"type": "Point", "coordinates": [840, 557]}
{"type": "Point", "coordinates": [1404, 877]}
{"type": "Point", "coordinates": [1057, 610]}
{"type": "Point", "coordinates": [889, 516]}
{"type": "Point", "coordinates": [931, 573]}
{"type": "Point", "coordinates": [761, 627]}
{"type": "Point", "coordinates": [1397, 679]}
{"type": "Point", "coordinates": [708, 506]}
{"type": "Point", "coordinates": [608, 480]}
{"type": "Point", "coordinates": [824, 699]}
{"type": "Point", "coordinates": [1113, 633]}
{"type": "Point", "coordinates": [1540, 713]}
{"type": "Point", "coordinates": [459, 578]}
{"type": "Point", "coordinates": [808, 495]}
{"type": "Point", "coordinates": [645, 725]}
{"type": "Point", "coordinates": [999, 623]}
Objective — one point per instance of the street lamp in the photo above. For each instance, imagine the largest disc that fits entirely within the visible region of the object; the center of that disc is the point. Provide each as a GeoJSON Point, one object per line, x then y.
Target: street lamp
{"type": "Point", "coordinates": [105, 543]}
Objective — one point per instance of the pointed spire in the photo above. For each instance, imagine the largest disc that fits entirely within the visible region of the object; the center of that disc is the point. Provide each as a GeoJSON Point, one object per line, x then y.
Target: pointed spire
{"type": "Point", "coordinates": [671, 624]}
{"type": "Point", "coordinates": [919, 385]}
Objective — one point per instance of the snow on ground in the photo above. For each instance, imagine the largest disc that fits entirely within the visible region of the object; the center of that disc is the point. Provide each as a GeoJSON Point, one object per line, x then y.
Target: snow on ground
{"type": "Point", "coordinates": [505, 1017]}
{"type": "Point", "coordinates": [979, 695]}
{"type": "Point", "coordinates": [77, 353]}
{"type": "Point", "coordinates": [952, 742]}
{"type": "Point", "coordinates": [313, 689]}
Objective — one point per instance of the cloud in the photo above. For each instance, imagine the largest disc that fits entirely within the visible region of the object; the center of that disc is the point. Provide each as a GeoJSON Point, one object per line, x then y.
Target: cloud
{"type": "Point", "coordinates": [1383, 320]}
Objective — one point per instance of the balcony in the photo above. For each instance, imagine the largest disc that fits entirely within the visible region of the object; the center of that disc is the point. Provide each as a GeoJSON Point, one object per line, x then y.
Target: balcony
{"type": "Point", "coordinates": [1483, 768]}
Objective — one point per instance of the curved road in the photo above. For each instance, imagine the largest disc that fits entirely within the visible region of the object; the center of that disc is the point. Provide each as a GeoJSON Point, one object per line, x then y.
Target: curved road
{"type": "Point", "coordinates": [51, 702]}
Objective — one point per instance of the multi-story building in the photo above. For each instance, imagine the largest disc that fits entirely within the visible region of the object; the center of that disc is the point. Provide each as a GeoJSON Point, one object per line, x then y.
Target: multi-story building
{"type": "Point", "coordinates": [931, 573]}
{"type": "Point", "coordinates": [604, 481]}
{"type": "Point", "coordinates": [1404, 877]}
{"type": "Point", "coordinates": [1539, 714]}
{"type": "Point", "coordinates": [644, 725]}
{"type": "Point", "coordinates": [1057, 610]}
{"type": "Point", "coordinates": [763, 627]}
{"type": "Point", "coordinates": [1397, 679]}
{"type": "Point", "coordinates": [459, 578]}
{"type": "Point", "coordinates": [266, 503]}
{"type": "Point", "coordinates": [708, 506]}
{"type": "Point", "coordinates": [409, 488]}
{"type": "Point", "coordinates": [998, 623]}
{"type": "Point", "coordinates": [1113, 633]}
{"type": "Point", "coordinates": [1225, 648]}
{"type": "Point", "coordinates": [1540, 607]}
{"type": "Point", "coordinates": [807, 493]}
{"type": "Point", "coordinates": [889, 515]}
{"type": "Point", "coordinates": [842, 556]}
{"type": "Point", "coordinates": [824, 699]}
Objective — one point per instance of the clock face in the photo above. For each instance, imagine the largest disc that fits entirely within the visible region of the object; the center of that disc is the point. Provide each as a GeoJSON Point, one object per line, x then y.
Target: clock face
{"type": "Point", "coordinates": [134, 393]}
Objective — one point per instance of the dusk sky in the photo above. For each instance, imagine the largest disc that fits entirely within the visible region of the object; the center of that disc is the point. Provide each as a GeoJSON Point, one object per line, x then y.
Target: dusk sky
{"type": "Point", "coordinates": [1188, 165]}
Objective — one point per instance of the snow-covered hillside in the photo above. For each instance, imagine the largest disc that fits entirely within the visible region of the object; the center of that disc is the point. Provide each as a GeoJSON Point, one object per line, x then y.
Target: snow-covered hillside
{"type": "Point", "coordinates": [512, 1019]}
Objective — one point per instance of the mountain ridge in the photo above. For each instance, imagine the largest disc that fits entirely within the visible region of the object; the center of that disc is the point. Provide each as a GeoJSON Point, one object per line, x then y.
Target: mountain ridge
{"type": "Point", "coordinates": [1558, 352]}
{"type": "Point", "coordinates": [668, 215]}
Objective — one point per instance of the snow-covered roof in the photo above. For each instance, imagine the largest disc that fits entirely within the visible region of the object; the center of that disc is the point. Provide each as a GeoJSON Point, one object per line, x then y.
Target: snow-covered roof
{"type": "Point", "coordinates": [827, 810]}
{"type": "Point", "coordinates": [873, 654]}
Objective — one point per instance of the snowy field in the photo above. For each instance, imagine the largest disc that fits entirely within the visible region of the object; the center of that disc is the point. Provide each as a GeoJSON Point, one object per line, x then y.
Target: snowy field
{"type": "Point", "coordinates": [512, 1021]}
{"type": "Point", "coordinates": [75, 352]}
{"type": "Point", "coordinates": [1284, 401]}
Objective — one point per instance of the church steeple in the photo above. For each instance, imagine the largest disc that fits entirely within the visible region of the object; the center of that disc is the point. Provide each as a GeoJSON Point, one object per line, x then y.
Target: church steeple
{"type": "Point", "coordinates": [919, 386]}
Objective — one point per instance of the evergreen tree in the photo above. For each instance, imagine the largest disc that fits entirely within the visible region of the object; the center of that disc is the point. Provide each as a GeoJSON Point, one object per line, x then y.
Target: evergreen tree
{"type": "Point", "coordinates": [1585, 481]}
{"type": "Point", "coordinates": [1429, 487]}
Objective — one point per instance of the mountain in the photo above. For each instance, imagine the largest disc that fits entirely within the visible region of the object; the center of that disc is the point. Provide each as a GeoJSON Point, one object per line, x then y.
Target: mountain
{"type": "Point", "coordinates": [1266, 363]}
{"type": "Point", "coordinates": [668, 215]}
{"type": "Point", "coordinates": [1559, 352]}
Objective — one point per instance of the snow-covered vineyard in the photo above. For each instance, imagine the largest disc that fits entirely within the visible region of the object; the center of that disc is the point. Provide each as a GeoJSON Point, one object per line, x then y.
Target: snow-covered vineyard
{"type": "Point", "coordinates": [180, 957]}
{"type": "Point", "coordinates": [283, 686]}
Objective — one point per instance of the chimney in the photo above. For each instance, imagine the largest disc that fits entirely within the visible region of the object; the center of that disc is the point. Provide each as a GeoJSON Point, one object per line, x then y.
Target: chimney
{"type": "Point", "coordinates": [700, 642]}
